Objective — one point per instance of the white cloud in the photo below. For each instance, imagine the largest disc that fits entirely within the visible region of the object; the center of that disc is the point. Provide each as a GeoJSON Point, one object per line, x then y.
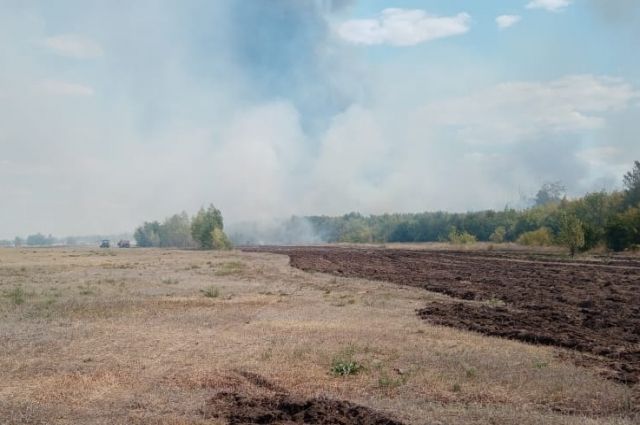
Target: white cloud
{"type": "Point", "coordinates": [63, 88]}
{"type": "Point", "coordinates": [403, 27]}
{"type": "Point", "coordinates": [506, 21]}
{"type": "Point", "coordinates": [73, 46]}
{"type": "Point", "coordinates": [550, 5]}
{"type": "Point", "coordinates": [517, 111]}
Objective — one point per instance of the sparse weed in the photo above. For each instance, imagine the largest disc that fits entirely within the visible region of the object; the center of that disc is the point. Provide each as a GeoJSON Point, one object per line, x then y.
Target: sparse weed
{"type": "Point", "coordinates": [266, 355]}
{"type": "Point", "coordinates": [471, 372]}
{"type": "Point", "coordinates": [170, 281]}
{"type": "Point", "coordinates": [17, 295]}
{"type": "Point", "coordinates": [299, 353]}
{"type": "Point", "coordinates": [387, 383]}
{"type": "Point", "coordinates": [86, 290]}
{"type": "Point", "coordinates": [495, 302]}
{"type": "Point", "coordinates": [456, 388]}
{"type": "Point", "coordinates": [344, 364]}
{"type": "Point", "coordinates": [342, 367]}
{"type": "Point", "coordinates": [540, 365]}
{"type": "Point", "coordinates": [211, 292]}
{"type": "Point", "coordinates": [229, 268]}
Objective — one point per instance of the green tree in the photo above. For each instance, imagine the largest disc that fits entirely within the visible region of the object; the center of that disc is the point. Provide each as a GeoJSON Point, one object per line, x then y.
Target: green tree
{"type": "Point", "coordinates": [623, 230]}
{"type": "Point", "coordinates": [40, 240]}
{"type": "Point", "coordinates": [550, 193]}
{"type": "Point", "coordinates": [220, 240]}
{"type": "Point", "coordinates": [631, 182]}
{"type": "Point", "coordinates": [175, 231]}
{"type": "Point", "coordinates": [571, 233]}
{"type": "Point", "coordinates": [148, 234]}
{"type": "Point", "coordinates": [498, 235]}
{"type": "Point", "coordinates": [203, 226]}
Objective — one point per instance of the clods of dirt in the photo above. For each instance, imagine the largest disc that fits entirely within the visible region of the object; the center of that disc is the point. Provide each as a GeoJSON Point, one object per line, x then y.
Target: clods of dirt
{"type": "Point", "coordinates": [284, 409]}
{"type": "Point", "coordinates": [252, 399]}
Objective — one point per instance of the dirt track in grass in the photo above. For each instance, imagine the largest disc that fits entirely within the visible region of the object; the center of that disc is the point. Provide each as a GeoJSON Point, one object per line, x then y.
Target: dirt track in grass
{"type": "Point", "coordinates": [591, 306]}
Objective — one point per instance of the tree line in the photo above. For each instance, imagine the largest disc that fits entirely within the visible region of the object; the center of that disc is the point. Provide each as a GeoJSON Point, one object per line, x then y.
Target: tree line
{"type": "Point", "coordinates": [204, 231]}
{"type": "Point", "coordinates": [37, 239]}
{"type": "Point", "coordinates": [610, 219]}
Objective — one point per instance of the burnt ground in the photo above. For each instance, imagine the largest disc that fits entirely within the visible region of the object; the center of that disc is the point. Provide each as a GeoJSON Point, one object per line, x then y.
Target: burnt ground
{"type": "Point", "coordinates": [591, 306]}
{"type": "Point", "coordinates": [258, 401]}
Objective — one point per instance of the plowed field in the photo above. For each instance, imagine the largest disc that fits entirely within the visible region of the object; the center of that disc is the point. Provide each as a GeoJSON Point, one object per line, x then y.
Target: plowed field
{"type": "Point", "coordinates": [591, 306]}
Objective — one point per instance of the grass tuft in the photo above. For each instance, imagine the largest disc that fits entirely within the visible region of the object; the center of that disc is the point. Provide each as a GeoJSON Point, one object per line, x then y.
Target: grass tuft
{"type": "Point", "coordinates": [229, 268]}
{"type": "Point", "coordinates": [211, 292]}
{"type": "Point", "coordinates": [17, 295]}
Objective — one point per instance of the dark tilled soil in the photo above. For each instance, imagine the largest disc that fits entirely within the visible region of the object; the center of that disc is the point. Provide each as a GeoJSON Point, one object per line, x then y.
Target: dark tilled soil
{"type": "Point", "coordinates": [592, 306]}
{"type": "Point", "coordinates": [253, 399]}
{"type": "Point", "coordinates": [285, 409]}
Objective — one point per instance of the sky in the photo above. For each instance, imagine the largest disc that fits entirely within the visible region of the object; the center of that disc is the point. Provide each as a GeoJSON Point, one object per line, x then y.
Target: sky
{"type": "Point", "coordinates": [114, 112]}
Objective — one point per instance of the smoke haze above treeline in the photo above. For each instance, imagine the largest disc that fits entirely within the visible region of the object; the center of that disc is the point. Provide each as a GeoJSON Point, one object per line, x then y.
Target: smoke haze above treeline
{"type": "Point", "coordinates": [112, 113]}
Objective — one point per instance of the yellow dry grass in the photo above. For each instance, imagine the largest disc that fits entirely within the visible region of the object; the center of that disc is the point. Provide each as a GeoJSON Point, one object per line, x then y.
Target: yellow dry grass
{"type": "Point", "coordinates": [127, 336]}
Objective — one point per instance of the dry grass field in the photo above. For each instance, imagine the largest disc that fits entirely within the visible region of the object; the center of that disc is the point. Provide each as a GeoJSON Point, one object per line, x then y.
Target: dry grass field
{"type": "Point", "coordinates": [155, 336]}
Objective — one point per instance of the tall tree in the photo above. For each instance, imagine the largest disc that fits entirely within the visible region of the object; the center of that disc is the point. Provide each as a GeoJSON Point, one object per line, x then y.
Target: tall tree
{"type": "Point", "coordinates": [632, 185]}
{"type": "Point", "coordinates": [207, 229]}
{"type": "Point", "coordinates": [571, 233]}
{"type": "Point", "coordinates": [175, 231]}
{"type": "Point", "coordinates": [148, 234]}
{"type": "Point", "coordinates": [550, 193]}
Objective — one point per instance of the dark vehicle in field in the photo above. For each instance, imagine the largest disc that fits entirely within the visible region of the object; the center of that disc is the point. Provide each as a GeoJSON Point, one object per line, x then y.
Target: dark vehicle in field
{"type": "Point", "coordinates": [123, 243]}
{"type": "Point", "coordinates": [105, 243]}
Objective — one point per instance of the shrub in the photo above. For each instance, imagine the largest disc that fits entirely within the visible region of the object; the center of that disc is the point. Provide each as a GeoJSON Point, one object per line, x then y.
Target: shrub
{"type": "Point", "coordinates": [571, 233]}
{"type": "Point", "coordinates": [458, 237]}
{"type": "Point", "coordinates": [540, 237]}
{"type": "Point", "coordinates": [498, 235]}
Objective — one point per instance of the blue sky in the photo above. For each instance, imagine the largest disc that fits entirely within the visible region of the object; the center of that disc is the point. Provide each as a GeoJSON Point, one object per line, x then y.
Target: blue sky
{"type": "Point", "coordinates": [113, 112]}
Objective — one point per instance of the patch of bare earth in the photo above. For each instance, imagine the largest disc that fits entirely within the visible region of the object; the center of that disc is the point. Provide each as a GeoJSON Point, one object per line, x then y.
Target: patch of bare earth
{"type": "Point", "coordinates": [266, 403]}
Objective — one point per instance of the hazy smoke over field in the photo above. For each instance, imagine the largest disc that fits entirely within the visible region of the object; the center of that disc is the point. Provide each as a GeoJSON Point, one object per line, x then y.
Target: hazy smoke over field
{"type": "Point", "coordinates": [112, 113]}
{"type": "Point", "coordinates": [291, 231]}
